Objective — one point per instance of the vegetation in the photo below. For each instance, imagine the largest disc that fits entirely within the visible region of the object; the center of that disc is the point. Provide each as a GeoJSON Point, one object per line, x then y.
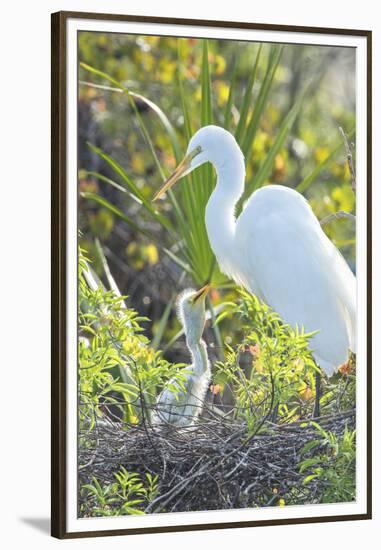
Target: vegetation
{"type": "Point", "coordinates": [269, 384]}
{"type": "Point", "coordinates": [125, 496]}
{"type": "Point", "coordinates": [335, 467]}
{"type": "Point", "coordinates": [140, 100]}
{"type": "Point", "coordinates": [117, 368]}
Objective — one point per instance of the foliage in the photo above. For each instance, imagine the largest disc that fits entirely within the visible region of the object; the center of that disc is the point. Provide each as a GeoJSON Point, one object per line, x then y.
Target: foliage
{"type": "Point", "coordinates": [269, 375]}
{"type": "Point", "coordinates": [128, 495]}
{"type": "Point", "coordinates": [334, 465]}
{"type": "Point", "coordinates": [118, 370]}
{"type": "Point", "coordinates": [271, 371]}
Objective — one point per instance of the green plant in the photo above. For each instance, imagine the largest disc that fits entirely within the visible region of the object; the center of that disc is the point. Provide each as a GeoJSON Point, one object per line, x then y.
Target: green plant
{"type": "Point", "coordinates": [117, 368]}
{"type": "Point", "coordinates": [128, 495]}
{"type": "Point", "coordinates": [186, 240]}
{"type": "Point", "coordinates": [334, 465]}
{"type": "Point", "coordinates": [271, 371]}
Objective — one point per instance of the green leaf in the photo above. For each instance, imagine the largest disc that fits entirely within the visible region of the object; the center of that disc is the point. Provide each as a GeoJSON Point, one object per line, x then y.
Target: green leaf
{"type": "Point", "coordinates": [163, 322]}
{"type": "Point", "coordinates": [284, 130]}
{"type": "Point", "coordinates": [308, 463]}
{"type": "Point", "coordinates": [148, 102]}
{"type": "Point", "coordinates": [165, 122]}
{"type": "Point", "coordinates": [134, 108]}
{"type": "Point", "coordinates": [206, 92]}
{"type": "Point", "coordinates": [248, 98]}
{"type": "Point", "coordinates": [309, 446]}
{"type": "Point", "coordinates": [104, 202]}
{"type": "Point", "coordinates": [229, 103]}
{"type": "Point", "coordinates": [309, 478]}
{"type": "Point", "coordinates": [260, 104]}
{"type": "Point", "coordinates": [131, 185]}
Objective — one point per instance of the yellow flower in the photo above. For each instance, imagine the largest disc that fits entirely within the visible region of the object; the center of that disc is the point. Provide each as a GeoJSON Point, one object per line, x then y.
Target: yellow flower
{"type": "Point", "coordinates": [321, 154]}
{"type": "Point", "coordinates": [219, 64]}
{"type": "Point", "coordinates": [222, 92]}
{"type": "Point", "coordinates": [152, 254]}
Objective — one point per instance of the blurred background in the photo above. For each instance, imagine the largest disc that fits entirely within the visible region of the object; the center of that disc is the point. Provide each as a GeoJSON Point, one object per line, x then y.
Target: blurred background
{"type": "Point", "coordinates": [141, 97]}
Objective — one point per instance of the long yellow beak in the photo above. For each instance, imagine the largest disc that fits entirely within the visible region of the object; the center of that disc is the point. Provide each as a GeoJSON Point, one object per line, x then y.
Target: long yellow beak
{"type": "Point", "coordinates": [201, 293]}
{"type": "Point", "coordinates": [180, 171]}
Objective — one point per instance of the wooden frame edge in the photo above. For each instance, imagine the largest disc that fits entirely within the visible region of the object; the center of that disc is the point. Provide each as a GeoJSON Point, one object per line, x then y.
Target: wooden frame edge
{"type": "Point", "coordinates": [58, 276]}
{"type": "Point", "coordinates": [369, 291]}
{"type": "Point", "coordinates": [58, 273]}
{"type": "Point", "coordinates": [211, 23]}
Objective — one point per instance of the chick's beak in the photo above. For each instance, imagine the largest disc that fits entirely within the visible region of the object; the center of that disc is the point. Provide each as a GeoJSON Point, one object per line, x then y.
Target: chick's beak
{"type": "Point", "coordinates": [201, 294]}
{"type": "Point", "coordinates": [179, 172]}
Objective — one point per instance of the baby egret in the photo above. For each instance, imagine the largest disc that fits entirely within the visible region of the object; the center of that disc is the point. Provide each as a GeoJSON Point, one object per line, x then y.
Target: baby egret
{"type": "Point", "coordinates": [276, 249]}
{"type": "Point", "coordinates": [181, 408]}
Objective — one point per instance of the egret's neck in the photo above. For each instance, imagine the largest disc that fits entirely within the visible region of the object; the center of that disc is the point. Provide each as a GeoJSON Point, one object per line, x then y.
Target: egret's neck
{"type": "Point", "coordinates": [220, 211]}
{"type": "Point", "coordinates": [199, 357]}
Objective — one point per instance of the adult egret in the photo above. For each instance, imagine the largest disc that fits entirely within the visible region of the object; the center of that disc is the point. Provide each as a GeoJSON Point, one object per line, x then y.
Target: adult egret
{"type": "Point", "coordinates": [276, 249]}
{"type": "Point", "coordinates": [181, 408]}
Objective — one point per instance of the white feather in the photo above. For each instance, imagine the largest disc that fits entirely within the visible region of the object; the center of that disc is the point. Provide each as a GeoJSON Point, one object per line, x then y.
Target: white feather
{"type": "Point", "coordinates": [278, 250]}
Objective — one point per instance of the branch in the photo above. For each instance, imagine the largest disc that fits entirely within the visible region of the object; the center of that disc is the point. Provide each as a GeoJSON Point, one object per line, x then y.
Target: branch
{"type": "Point", "coordinates": [337, 216]}
{"type": "Point", "coordinates": [348, 150]}
{"type": "Point", "coordinates": [341, 214]}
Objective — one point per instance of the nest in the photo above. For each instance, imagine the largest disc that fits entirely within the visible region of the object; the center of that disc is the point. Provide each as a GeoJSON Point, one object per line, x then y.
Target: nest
{"type": "Point", "coordinates": [214, 465]}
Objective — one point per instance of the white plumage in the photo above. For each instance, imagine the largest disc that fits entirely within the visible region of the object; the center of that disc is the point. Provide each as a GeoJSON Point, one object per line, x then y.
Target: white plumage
{"type": "Point", "coordinates": [276, 249]}
{"type": "Point", "coordinates": [298, 271]}
{"type": "Point", "coordinates": [182, 407]}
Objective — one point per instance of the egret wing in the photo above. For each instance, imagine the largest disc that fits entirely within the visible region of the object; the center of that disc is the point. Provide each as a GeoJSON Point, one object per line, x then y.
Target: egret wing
{"type": "Point", "coordinates": [297, 271]}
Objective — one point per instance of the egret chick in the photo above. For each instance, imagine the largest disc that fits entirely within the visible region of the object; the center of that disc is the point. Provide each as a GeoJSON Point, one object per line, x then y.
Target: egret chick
{"type": "Point", "coordinates": [182, 407]}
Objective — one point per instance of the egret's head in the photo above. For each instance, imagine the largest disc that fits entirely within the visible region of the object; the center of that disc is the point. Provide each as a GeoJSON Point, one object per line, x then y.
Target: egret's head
{"type": "Point", "coordinates": [209, 144]}
{"type": "Point", "coordinates": [191, 313]}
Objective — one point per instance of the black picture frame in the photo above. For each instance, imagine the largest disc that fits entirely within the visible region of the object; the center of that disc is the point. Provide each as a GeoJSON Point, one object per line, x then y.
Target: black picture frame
{"type": "Point", "coordinates": [59, 271]}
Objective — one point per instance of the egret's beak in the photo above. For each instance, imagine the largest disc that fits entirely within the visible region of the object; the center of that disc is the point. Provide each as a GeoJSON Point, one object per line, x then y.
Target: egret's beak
{"type": "Point", "coordinates": [181, 170]}
{"type": "Point", "coordinates": [201, 294]}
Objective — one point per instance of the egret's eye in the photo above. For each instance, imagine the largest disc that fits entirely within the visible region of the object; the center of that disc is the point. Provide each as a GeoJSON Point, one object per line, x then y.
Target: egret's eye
{"type": "Point", "coordinates": [196, 151]}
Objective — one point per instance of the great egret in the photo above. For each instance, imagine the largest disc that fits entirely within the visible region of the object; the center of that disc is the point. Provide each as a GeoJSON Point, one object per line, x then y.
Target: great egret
{"type": "Point", "coordinates": [181, 408]}
{"type": "Point", "coordinates": [276, 249]}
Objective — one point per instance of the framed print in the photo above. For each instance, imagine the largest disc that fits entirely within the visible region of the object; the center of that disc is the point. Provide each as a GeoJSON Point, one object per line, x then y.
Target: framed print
{"type": "Point", "coordinates": [211, 276]}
